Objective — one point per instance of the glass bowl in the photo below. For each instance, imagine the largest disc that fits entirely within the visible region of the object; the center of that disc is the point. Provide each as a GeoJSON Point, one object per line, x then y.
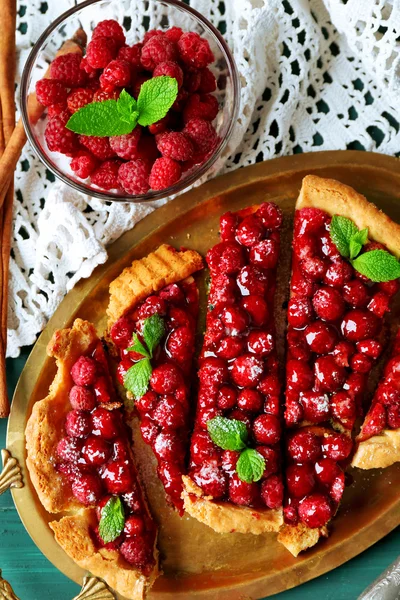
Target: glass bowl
{"type": "Point", "coordinates": [136, 17]}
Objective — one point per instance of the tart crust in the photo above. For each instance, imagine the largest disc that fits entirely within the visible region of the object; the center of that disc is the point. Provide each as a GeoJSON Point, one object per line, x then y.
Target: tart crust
{"type": "Point", "coordinates": [300, 537]}
{"type": "Point", "coordinates": [225, 517]}
{"type": "Point", "coordinates": [43, 432]}
{"type": "Point", "coordinates": [150, 274]}
{"type": "Point", "coordinates": [378, 451]}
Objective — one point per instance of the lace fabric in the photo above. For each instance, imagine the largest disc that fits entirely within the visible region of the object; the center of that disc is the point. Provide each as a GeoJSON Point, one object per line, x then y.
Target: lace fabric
{"type": "Point", "coordinates": [316, 75]}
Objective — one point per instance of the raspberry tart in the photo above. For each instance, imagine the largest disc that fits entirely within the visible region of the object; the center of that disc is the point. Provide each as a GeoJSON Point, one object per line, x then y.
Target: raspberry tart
{"type": "Point", "coordinates": [379, 439]}
{"type": "Point", "coordinates": [80, 462]}
{"type": "Point", "coordinates": [334, 337]}
{"type": "Point", "coordinates": [234, 482]}
{"type": "Point", "coordinates": [152, 325]}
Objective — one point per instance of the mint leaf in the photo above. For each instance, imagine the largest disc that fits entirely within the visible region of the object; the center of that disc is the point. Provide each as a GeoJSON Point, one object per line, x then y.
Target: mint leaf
{"type": "Point", "coordinates": [126, 104]}
{"type": "Point", "coordinates": [228, 434]}
{"type": "Point", "coordinates": [101, 119]}
{"type": "Point", "coordinates": [377, 265]}
{"type": "Point", "coordinates": [156, 97]}
{"type": "Point", "coordinates": [138, 347]}
{"type": "Point", "coordinates": [357, 241]}
{"type": "Point", "coordinates": [341, 231]}
{"type": "Point", "coordinates": [137, 378]}
{"type": "Point", "coordinates": [250, 466]}
{"type": "Point", "coordinates": [112, 520]}
{"type": "Point", "coordinates": [153, 331]}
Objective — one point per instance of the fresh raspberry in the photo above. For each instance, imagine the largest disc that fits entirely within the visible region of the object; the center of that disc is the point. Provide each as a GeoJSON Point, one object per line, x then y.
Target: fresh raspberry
{"type": "Point", "coordinates": [83, 164]}
{"type": "Point", "coordinates": [339, 273]}
{"type": "Point", "coordinates": [242, 493]}
{"type": "Point", "coordinates": [299, 375]}
{"type": "Point", "coordinates": [315, 406]}
{"type": "Point", "coordinates": [100, 52]}
{"type": "Point", "coordinates": [252, 280]}
{"type": "Point", "coordinates": [158, 49]}
{"type": "Point", "coordinates": [194, 50]}
{"type": "Point", "coordinates": [174, 34]}
{"type": "Point", "coordinates": [96, 451]}
{"type": "Point", "coordinates": [104, 423]}
{"type": "Point", "coordinates": [106, 176]}
{"type": "Point", "coordinates": [180, 101]}
{"type": "Point", "coordinates": [92, 73]}
{"type": "Point", "coordinates": [208, 83]}
{"type": "Point", "coordinates": [202, 134]}
{"type": "Point", "coordinates": [140, 80]}
{"type": "Point", "coordinates": [300, 311]}
{"type": "Point", "coordinates": [202, 106]}
{"type": "Point", "coordinates": [175, 145]}
{"type": "Point", "coordinates": [134, 177]}
{"type": "Point", "coordinates": [135, 552]}
{"type": "Point", "coordinates": [329, 376]}
{"type": "Point", "coordinates": [116, 74]}
{"type": "Point", "coordinates": [169, 414]}
{"type": "Point", "coordinates": [82, 398]}
{"type": "Point", "coordinates": [328, 304]}
{"type": "Point", "coordinates": [125, 146]}
{"type": "Point", "coordinates": [304, 446]}
{"type": "Point", "coordinates": [309, 220]}
{"type": "Point", "coordinates": [359, 325]}
{"type": "Point", "coordinates": [67, 69]}
{"type": "Point", "coordinates": [151, 306]}
{"type": "Point", "coordinates": [272, 491]}
{"type": "Point", "coordinates": [320, 337]}
{"type": "Point", "coordinates": [265, 254]}
{"type": "Point", "coordinates": [117, 477]}
{"type": "Point", "coordinates": [150, 34]}
{"type": "Point", "coordinates": [102, 95]}
{"type": "Point", "coordinates": [192, 80]}
{"type": "Point", "coordinates": [164, 173]}
{"type": "Point", "coordinates": [300, 479]}
{"type": "Point", "coordinates": [170, 69]}
{"type": "Point", "coordinates": [58, 137]}
{"type": "Point", "coordinates": [87, 489]}
{"type": "Point", "coordinates": [133, 526]}
{"type": "Point", "coordinates": [56, 109]}
{"type": "Point", "coordinates": [69, 449]}
{"type": "Point", "coordinates": [267, 429]}
{"type": "Point", "coordinates": [50, 92]}
{"type": "Point", "coordinates": [315, 510]}
{"type": "Point", "coordinates": [379, 304]}
{"type": "Point", "coordinates": [79, 98]}
{"type": "Point", "coordinates": [131, 54]}
{"type": "Point", "coordinates": [77, 423]}
{"type": "Point", "coordinates": [83, 371]}
{"type": "Point", "coordinates": [159, 126]}
{"type": "Point", "coordinates": [99, 146]}
{"type": "Point", "coordinates": [110, 29]}
{"type": "Point", "coordinates": [250, 231]}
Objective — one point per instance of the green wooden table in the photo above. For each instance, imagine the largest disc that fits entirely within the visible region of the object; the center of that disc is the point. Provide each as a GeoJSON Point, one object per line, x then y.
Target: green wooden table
{"type": "Point", "coordinates": [33, 577]}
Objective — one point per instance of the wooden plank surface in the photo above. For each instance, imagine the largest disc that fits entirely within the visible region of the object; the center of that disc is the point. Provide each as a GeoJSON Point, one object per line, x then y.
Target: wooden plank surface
{"type": "Point", "coordinates": [34, 577]}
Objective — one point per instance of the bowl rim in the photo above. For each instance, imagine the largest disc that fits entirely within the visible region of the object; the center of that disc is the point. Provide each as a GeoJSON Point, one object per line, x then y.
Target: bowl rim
{"type": "Point", "coordinates": [182, 184]}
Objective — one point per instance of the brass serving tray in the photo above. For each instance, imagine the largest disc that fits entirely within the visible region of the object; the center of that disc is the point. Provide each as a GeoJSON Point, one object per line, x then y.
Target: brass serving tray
{"type": "Point", "coordinates": [199, 563]}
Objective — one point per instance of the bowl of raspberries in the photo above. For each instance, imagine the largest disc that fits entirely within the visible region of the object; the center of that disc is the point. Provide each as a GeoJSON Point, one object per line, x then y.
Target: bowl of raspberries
{"type": "Point", "coordinates": [127, 100]}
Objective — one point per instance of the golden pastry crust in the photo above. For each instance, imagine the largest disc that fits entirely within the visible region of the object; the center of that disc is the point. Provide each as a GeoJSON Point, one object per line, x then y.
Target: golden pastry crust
{"type": "Point", "coordinates": [43, 432]}
{"type": "Point", "coordinates": [150, 274]}
{"type": "Point", "coordinates": [297, 538]}
{"type": "Point", "coordinates": [337, 198]}
{"type": "Point", "coordinates": [73, 535]}
{"type": "Point", "coordinates": [378, 451]}
{"type": "Point", "coordinates": [44, 427]}
{"type": "Point", "coordinates": [225, 517]}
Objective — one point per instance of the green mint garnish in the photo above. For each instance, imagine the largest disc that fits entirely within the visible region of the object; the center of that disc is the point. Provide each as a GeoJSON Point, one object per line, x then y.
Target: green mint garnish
{"type": "Point", "coordinates": [230, 434]}
{"type": "Point", "coordinates": [342, 230]}
{"type": "Point", "coordinates": [377, 265]}
{"type": "Point", "coordinates": [138, 347]}
{"type": "Point", "coordinates": [137, 378]}
{"type": "Point", "coordinates": [250, 466]}
{"type": "Point", "coordinates": [120, 117]}
{"type": "Point", "coordinates": [112, 520]}
{"type": "Point", "coordinates": [153, 332]}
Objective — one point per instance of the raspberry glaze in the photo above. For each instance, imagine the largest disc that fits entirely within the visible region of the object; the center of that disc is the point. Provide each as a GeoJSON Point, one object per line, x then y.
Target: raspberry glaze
{"type": "Point", "coordinates": [238, 363]}
{"type": "Point", "coordinates": [385, 408]}
{"type": "Point", "coordinates": [95, 457]}
{"type": "Point", "coordinates": [335, 316]}
{"type": "Point", "coordinates": [164, 410]}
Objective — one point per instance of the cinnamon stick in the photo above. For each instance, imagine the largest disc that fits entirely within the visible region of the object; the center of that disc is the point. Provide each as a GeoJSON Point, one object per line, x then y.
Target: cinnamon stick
{"type": "Point", "coordinates": [12, 142]}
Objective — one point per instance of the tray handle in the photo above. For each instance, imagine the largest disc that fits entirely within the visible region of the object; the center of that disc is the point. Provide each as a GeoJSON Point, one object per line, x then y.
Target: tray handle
{"type": "Point", "coordinates": [6, 591]}
{"type": "Point", "coordinates": [11, 474]}
{"type": "Point", "coordinates": [94, 589]}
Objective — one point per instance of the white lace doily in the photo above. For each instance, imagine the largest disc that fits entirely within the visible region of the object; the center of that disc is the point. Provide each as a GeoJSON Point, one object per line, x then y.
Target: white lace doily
{"type": "Point", "coordinates": [316, 75]}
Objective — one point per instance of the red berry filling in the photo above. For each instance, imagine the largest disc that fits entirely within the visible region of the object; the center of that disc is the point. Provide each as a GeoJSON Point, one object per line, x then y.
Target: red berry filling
{"type": "Point", "coordinates": [164, 410]}
{"type": "Point", "coordinates": [238, 368]}
{"type": "Point", "coordinates": [334, 322]}
{"type": "Point", "coordinates": [95, 457]}
{"type": "Point", "coordinates": [110, 66]}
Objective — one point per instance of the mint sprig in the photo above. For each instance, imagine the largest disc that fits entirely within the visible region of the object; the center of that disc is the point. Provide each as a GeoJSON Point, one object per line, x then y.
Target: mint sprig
{"type": "Point", "coordinates": [231, 434]}
{"type": "Point", "coordinates": [120, 117]}
{"type": "Point", "coordinates": [377, 265]}
{"type": "Point", "coordinates": [112, 520]}
{"type": "Point", "coordinates": [137, 378]}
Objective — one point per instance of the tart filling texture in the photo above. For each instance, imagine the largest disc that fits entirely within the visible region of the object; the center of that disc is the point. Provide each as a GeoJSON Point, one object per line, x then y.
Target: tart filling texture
{"type": "Point", "coordinates": [238, 377]}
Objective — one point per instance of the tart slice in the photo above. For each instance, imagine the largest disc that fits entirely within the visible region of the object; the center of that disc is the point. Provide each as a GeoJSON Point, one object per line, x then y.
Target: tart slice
{"type": "Point", "coordinates": [335, 318]}
{"type": "Point", "coordinates": [80, 462]}
{"type": "Point", "coordinates": [234, 482]}
{"type": "Point", "coordinates": [379, 439]}
{"type": "Point", "coordinates": [152, 314]}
